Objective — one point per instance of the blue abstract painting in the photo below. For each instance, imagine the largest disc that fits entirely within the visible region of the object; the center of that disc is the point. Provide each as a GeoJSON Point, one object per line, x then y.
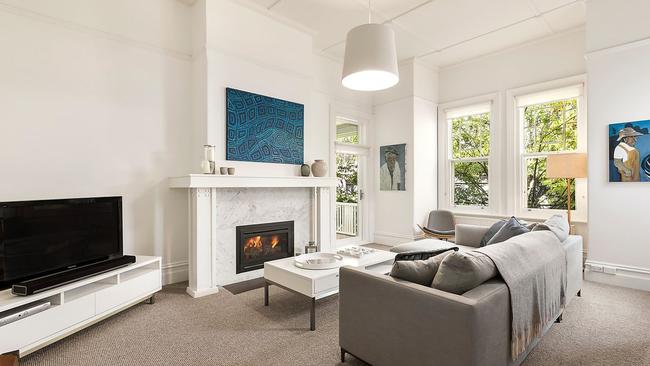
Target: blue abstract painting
{"type": "Point", "coordinates": [264, 129]}
{"type": "Point", "coordinates": [629, 151]}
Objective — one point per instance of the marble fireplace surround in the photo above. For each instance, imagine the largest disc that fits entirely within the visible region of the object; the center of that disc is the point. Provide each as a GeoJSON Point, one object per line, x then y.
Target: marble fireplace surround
{"type": "Point", "coordinates": [218, 204]}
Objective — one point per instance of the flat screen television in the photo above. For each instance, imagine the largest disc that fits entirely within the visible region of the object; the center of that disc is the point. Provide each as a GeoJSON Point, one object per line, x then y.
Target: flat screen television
{"type": "Point", "coordinates": [38, 238]}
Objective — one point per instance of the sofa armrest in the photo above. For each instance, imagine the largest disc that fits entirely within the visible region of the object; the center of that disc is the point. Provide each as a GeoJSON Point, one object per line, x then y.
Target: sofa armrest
{"type": "Point", "coordinates": [470, 235]}
{"type": "Point", "coordinates": [385, 321]}
{"type": "Point", "coordinates": [574, 253]}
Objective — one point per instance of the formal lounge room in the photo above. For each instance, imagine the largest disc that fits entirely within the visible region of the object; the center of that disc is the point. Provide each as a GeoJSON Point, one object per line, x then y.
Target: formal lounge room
{"type": "Point", "coordinates": [324, 182]}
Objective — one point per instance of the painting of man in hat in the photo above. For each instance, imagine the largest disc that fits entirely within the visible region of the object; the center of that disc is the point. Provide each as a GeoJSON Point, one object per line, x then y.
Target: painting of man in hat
{"type": "Point", "coordinates": [391, 172]}
{"type": "Point", "coordinates": [626, 151]}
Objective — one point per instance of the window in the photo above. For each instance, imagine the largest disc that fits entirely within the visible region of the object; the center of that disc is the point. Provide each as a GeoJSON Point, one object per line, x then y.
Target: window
{"type": "Point", "coordinates": [347, 131]}
{"type": "Point", "coordinates": [469, 155]}
{"type": "Point", "coordinates": [549, 123]}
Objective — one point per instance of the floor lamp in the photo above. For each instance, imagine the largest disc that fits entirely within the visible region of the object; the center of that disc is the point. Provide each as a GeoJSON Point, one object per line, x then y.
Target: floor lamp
{"type": "Point", "coordinates": [567, 166]}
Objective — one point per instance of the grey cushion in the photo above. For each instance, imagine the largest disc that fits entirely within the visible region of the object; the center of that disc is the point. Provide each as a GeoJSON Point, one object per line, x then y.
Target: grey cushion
{"type": "Point", "coordinates": [418, 271]}
{"type": "Point", "coordinates": [470, 235]}
{"type": "Point", "coordinates": [510, 229]}
{"type": "Point", "coordinates": [492, 231]}
{"type": "Point", "coordinates": [460, 272]}
{"type": "Point", "coordinates": [557, 224]}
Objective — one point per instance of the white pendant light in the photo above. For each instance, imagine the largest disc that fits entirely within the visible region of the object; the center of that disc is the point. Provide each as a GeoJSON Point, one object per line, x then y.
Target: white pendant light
{"type": "Point", "coordinates": [370, 58]}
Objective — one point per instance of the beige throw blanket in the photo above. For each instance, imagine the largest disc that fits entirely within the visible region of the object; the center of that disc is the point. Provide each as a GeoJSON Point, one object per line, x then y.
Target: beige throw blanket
{"type": "Point", "coordinates": [534, 267]}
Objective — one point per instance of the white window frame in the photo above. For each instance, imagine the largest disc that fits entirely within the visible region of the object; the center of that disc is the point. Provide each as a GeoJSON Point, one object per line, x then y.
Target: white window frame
{"type": "Point", "coordinates": [446, 176]}
{"type": "Point", "coordinates": [517, 158]}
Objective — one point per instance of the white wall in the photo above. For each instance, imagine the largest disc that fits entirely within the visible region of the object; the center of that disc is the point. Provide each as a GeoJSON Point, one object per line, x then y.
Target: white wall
{"type": "Point", "coordinates": [618, 92]}
{"type": "Point", "coordinates": [407, 114]}
{"type": "Point", "coordinates": [112, 98]}
{"type": "Point", "coordinates": [94, 101]}
{"type": "Point", "coordinates": [547, 59]}
{"type": "Point", "coordinates": [249, 51]}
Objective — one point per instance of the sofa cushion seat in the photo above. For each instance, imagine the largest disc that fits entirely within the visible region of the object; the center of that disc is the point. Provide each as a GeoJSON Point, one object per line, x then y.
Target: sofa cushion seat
{"type": "Point", "coordinates": [425, 245]}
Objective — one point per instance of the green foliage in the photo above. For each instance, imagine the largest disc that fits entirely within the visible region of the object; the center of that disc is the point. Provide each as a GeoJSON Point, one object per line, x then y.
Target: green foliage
{"type": "Point", "coordinates": [354, 139]}
{"type": "Point", "coordinates": [549, 127]}
{"type": "Point", "coordinates": [544, 192]}
{"type": "Point", "coordinates": [471, 183]}
{"type": "Point", "coordinates": [471, 136]}
{"type": "Point", "coordinates": [471, 139]}
{"type": "Point", "coordinates": [347, 168]}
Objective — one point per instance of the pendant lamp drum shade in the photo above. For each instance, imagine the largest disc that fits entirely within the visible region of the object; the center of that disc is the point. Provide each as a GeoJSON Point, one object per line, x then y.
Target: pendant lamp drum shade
{"type": "Point", "coordinates": [370, 58]}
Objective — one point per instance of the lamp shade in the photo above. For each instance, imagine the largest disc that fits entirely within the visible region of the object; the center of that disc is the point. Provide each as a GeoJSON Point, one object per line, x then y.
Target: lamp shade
{"type": "Point", "coordinates": [573, 165]}
{"type": "Point", "coordinates": [370, 58]}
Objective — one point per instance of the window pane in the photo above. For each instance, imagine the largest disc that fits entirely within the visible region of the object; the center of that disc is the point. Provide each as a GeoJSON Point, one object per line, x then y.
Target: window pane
{"type": "Point", "coordinates": [551, 126]}
{"type": "Point", "coordinates": [544, 192]}
{"type": "Point", "coordinates": [470, 136]}
{"type": "Point", "coordinates": [471, 183]}
{"type": "Point", "coordinates": [347, 131]}
{"type": "Point", "coordinates": [347, 192]}
{"type": "Point", "coordinates": [347, 168]}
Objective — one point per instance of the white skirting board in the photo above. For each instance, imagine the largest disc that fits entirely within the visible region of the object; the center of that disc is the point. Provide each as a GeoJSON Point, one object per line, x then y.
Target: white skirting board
{"type": "Point", "coordinates": [175, 272]}
{"type": "Point", "coordinates": [618, 275]}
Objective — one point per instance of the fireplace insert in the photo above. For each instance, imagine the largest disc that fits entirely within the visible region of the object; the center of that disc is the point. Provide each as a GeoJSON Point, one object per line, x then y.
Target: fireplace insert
{"type": "Point", "coordinates": [260, 243]}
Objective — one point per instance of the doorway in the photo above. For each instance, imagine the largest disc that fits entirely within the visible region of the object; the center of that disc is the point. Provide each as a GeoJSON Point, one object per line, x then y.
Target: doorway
{"type": "Point", "coordinates": [351, 157]}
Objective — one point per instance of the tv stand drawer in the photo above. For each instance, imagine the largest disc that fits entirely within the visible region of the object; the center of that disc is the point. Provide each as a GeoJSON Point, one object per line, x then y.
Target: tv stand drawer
{"type": "Point", "coordinates": [131, 287]}
{"type": "Point", "coordinates": [45, 324]}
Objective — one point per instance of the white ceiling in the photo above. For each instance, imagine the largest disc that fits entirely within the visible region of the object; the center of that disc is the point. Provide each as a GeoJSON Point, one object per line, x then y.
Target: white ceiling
{"type": "Point", "coordinates": [439, 32]}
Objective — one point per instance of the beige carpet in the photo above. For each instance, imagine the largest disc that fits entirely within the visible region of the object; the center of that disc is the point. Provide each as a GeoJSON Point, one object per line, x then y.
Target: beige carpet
{"type": "Point", "coordinates": [608, 326]}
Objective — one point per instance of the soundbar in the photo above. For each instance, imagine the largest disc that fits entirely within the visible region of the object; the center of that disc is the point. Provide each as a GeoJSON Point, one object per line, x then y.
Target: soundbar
{"type": "Point", "coordinates": [47, 282]}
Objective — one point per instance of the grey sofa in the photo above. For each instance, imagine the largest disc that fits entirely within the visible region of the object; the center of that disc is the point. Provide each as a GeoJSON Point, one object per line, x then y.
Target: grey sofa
{"type": "Point", "coordinates": [386, 321]}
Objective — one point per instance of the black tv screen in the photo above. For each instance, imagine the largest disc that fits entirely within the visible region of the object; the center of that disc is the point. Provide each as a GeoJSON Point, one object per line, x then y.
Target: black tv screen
{"type": "Point", "coordinates": [43, 237]}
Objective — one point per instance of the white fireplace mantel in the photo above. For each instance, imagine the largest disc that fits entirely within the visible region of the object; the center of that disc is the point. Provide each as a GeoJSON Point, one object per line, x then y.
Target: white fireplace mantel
{"type": "Point", "coordinates": [208, 261]}
{"type": "Point", "coordinates": [236, 181]}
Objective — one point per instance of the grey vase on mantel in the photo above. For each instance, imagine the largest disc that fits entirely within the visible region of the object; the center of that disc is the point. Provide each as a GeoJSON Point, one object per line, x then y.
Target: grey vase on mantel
{"type": "Point", "coordinates": [319, 168]}
{"type": "Point", "coordinates": [305, 170]}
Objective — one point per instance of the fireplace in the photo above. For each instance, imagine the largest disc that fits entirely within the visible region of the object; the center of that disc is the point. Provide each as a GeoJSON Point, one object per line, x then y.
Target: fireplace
{"type": "Point", "coordinates": [260, 243]}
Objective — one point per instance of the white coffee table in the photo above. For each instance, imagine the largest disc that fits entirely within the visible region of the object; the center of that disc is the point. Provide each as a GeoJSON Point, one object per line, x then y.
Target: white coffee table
{"type": "Point", "coordinates": [317, 284]}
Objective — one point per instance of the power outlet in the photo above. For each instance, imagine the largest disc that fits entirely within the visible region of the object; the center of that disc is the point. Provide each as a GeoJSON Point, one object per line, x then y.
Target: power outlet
{"type": "Point", "coordinates": [609, 270]}
{"type": "Point", "coordinates": [595, 268]}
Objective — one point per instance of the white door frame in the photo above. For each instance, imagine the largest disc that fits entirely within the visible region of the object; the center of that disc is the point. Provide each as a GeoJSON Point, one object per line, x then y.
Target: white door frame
{"type": "Point", "coordinates": [363, 151]}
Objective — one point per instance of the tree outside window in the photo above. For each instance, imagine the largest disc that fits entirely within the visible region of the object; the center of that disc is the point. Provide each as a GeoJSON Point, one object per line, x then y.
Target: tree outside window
{"type": "Point", "coordinates": [470, 150]}
{"type": "Point", "coordinates": [548, 128]}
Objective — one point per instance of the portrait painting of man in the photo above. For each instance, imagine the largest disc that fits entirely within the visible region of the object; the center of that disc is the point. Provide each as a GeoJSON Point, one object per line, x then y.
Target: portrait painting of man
{"type": "Point", "coordinates": [629, 152]}
{"type": "Point", "coordinates": [392, 168]}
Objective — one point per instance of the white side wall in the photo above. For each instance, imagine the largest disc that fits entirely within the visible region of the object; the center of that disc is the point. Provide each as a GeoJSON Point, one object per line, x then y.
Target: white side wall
{"type": "Point", "coordinates": [618, 92]}
{"type": "Point", "coordinates": [95, 99]}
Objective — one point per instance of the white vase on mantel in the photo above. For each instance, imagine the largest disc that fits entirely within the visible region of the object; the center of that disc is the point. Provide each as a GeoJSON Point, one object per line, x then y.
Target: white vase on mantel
{"type": "Point", "coordinates": [319, 168]}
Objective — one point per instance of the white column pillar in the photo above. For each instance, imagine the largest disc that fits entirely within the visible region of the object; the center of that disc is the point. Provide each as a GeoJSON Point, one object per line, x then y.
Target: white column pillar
{"type": "Point", "coordinates": [201, 258]}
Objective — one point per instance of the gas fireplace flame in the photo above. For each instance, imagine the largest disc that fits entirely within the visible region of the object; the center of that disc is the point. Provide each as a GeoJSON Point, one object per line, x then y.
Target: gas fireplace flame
{"type": "Point", "coordinates": [275, 241]}
{"type": "Point", "coordinates": [260, 244]}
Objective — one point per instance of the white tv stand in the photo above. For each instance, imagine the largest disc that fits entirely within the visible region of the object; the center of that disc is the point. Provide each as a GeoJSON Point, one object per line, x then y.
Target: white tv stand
{"type": "Point", "coordinates": [78, 305]}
